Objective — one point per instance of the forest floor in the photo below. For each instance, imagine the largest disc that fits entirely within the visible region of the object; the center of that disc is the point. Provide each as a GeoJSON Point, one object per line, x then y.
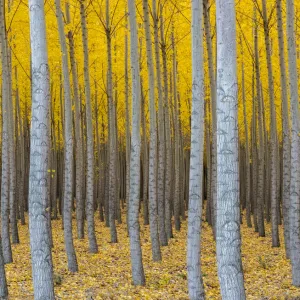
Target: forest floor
{"type": "Point", "coordinates": [107, 275]}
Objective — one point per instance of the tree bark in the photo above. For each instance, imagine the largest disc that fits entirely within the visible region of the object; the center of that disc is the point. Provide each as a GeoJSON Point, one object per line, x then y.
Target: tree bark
{"type": "Point", "coordinates": [195, 282]}
{"type": "Point", "coordinates": [40, 244]}
{"type": "Point", "coordinates": [5, 186]}
{"type": "Point", "coordinates": [294, 208]}
{"type": "Point", "coordinates": [68, 146]}
{"type": "Point", "coordinates": [286, 147]}
{"type": "Point", "coordinates": [93, 247]}
{"type": "Point", "coordinates": [134, 195]}
{"type": "Point", "coordinates": [228, 237]}
{"type": "Point", "coordinates": [156, 253]}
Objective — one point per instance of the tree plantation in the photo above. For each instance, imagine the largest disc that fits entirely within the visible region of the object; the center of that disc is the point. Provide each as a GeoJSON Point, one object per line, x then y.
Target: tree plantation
{"type": "Point", "coordinates": [150, 149]}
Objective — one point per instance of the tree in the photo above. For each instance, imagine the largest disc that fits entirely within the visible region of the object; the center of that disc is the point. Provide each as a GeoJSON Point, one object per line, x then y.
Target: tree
{"type": "Point", "coordinates": [195, 283]}
{"type": "Point", "coordinates": [286, 147]}
{"type": "Point", "coordinates": [93, 247]}
{"type": "Point", "coordinates": [156, 253]}
{"type": "Point", "coordinates": [68, 139]}
{"type": "Point", "coordinates": [135, 153]}
{"type": "Point", "coordinates": [3, 284]}
{"type": "Point", "coordinates": [228, 238]}
{"type": "Point", "coordinates": [294, 218]}
{"type": "Point", "coordinates": [6, 97]}
{"type": "Point", "coordinates": [273, 131]}
{"type": "Point", "coordinates": [40, 244]}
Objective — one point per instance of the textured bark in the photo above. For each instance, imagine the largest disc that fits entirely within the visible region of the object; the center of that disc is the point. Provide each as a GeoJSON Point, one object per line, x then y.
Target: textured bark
{"type": "Point", "coordinates": [156, 254]}
{"type": "Point", "coordinates": [127, 125]}
{"type": "Point", "coordinates": [78, 140]}
{"type": "Point", "coordinates": [68, 146]}
{"type": "Point", "coordinates": [134, 195]}
{"type": "Point", "coordinates": [161, 134]}
{"type": "Point", "coordinates": [273, 133]}
{"type": "Point", "coordinates": [247, 158]}
{"type": "Point", "coordinates": [112, 135]}
{"type": "Point", "coordinates": [286, 147]}
{"type": "Point", "coordinates": [145, 161]}
{"type": "Point", "coordinates": [261, 179]}
{"type": "Point", "coordinates": [213, 96]}
{"type": "Point", "coordinates": [5, 186]}
{"type": "Point", "coordinates": [208, 214]}
{"type": "Point", "coordinates": [228, 237]}
{"type": "Point", "coordinates": [168, 172]}
{"type": "Point", "coordinates": [195, 282]}
{"type": "Point", "coordinates": [3, 283]}
{"type": "Point", "coordinates": [40, 244]}
{"type": "Point", "coordinates": [254, 157]}
{"type": "Point", "coordinates": [93, 247]}
{"type": "Point", "coordinates": [294, 208]}
{"type": "Point", "coordinates": [176, 143]}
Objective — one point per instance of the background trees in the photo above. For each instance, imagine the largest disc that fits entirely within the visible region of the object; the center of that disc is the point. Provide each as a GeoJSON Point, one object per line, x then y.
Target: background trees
{"type": "Point", "coordinates": [132, 143]}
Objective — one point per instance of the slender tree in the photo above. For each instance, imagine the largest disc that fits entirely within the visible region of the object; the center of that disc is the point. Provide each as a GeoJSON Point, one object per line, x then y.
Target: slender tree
{"type": "Point", "coordinates": [3, 283]}
{"type": "Point", "coordinates": [40, 244]}
{"type": "Point", "coordinates": [93, 247]}
{"type": "Point", "coordinates": [294, 218]}
{"type": "Point", "coordinates": [156, 253]}
{"type": "Point", "coordinates": [68, 146]}
{"type": "Point", "coordinates": [195, 283]}
{"type": "Point", "coordinates": [6, 97]}
{"type": "Point", "coordinates": [135, 153]}
{"type": "Point", "coordinates": [228, 238]}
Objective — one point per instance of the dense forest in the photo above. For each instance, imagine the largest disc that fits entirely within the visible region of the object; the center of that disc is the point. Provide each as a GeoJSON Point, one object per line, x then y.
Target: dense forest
{"type": "Point", "coordinates": [150, 149]}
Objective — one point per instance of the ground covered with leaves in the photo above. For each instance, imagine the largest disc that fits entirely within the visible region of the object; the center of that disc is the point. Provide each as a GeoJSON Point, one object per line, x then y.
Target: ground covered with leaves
{"type": "Point", "coordinates": [107, 275]}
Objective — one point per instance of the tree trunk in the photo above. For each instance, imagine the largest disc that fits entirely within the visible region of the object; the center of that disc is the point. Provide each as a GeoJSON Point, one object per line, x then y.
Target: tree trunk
{"type": "Point", "coordinates": [286, 147]}
{"type": "Point", "coordinates": [261, 179]}
{"type": "Point", "coordinates": [273, 133]}
{"type": "Point", "coordinates": [228, 237]}
{"type": "Point", "coordinates": [93, 247]}
{"type": "Point", "coordinates": [78, 139]}
{"type": "Point", "coordinates": [213, 97]}
{"type": "Point", "coordinates": [294, 208]}
{"type": "Point", "coordinates": [161, 135]}
{"type": "Point", "coordinates": [156, 254]}
{"type": "Point", "coordinates": [247, 159]}
{"type": "Point", "coordinates": [5, 187]}
{"type": "Point", "coordinates": [40, 244]}
{"type": "Point", "coordinates": [68, 146]}
{"type": "Point", "coordinates": [195, 282]}
{"type": "Point", "coordinates": [168, 153]}
{"type": "Point", "coordinates": [134, 195]}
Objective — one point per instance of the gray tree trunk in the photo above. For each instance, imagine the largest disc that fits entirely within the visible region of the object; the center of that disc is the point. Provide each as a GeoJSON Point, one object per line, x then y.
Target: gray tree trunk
{"type": "Point", "coordinates": [213, 96]}
{"type": "Point", "coordinates": [195, 282]}
{"type": "Point", "coordinates": [93, 247]}
{"type": "Point", "coordinates": [247, 170]}
{"type": "Point", "coordinates": [68, 146]}
{"type": "Point", "coordinates": [168, 172]}
{"type": "Point", "coordinates": [294, 208]}
{"type": "Point", "coordinates": [112, 136]}
{"type": "Point", "coordinates": [156, 254]}
{"type": "Point", "coordinates": [78, 140]}
{"type": "Point", "coordinates": [6, 244]}
{"type": "Point", "coordinates": [161, 134]}
{"type": "Point", "coordinates": [228, 237]}
{"type": "Point", "coordinates": [3, 283]}
{"type": "Point", "coordinates": [134, 194]}
{"type": "Point", "coordinates": [273, 133]}
{"type": "Point", "coordinates": [176, 143]}
{"type": "Point", "coordinates": [261, 179]}
{"type": "Point", "coordinates": [286, 147]}
{"type": "Point", "coordinates": [40, 244]}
